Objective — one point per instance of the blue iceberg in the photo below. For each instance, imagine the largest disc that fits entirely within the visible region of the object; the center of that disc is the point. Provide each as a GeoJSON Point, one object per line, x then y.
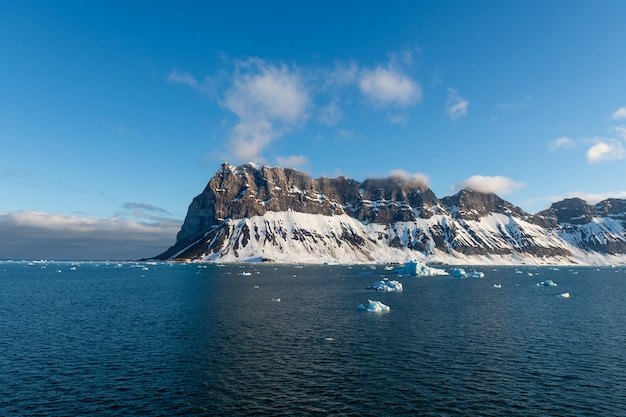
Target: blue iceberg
{"type": "Point", "coordinates": [417, 268]}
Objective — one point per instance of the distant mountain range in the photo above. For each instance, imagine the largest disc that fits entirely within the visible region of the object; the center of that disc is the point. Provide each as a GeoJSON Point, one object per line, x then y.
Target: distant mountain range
{"type": "Point", "coordinates": [250, 213]}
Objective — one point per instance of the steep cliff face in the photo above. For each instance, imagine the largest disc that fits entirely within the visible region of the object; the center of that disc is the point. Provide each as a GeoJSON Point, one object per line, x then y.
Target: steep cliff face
{"type": "Point", "coordinates": [598, 228]}
{"type": "Point", "coordinates": [270, 213]}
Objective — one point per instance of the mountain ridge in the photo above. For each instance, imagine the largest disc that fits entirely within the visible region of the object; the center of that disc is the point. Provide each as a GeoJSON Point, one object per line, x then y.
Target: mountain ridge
{"type": "Point", "coordinates": [279, 214]}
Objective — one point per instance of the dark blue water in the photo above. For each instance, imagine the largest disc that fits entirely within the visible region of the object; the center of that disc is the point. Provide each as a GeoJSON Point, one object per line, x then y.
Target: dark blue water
{"type": "Point", "coordinates": [139, 339]}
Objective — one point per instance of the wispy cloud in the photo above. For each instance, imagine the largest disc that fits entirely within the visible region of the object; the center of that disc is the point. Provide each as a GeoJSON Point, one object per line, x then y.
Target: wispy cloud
{"type": "Point", "coordinates": [456, 106]}
{"type": "Point", "coordinates": [489, 184]}
{"type": "Point", "coordinates": [619, 114]}
{"type": "Point", "coordinates": [591, 198]}
{"type": "Point", "coordinates": [182, 77]}
{"type": "Point", "coordinates": [295, 161]}
{"type": "Point", "coordinates": [269, 100]}
{"type": "Point", "coordinates": [417, 177]}
{"type": "Point", "coordinates": [561, 143]}
{"type": "Point", "coordinates": [330, 114]}
{"type": "Point", "coordinates": [387, 86]}
{"type": "Point", "coordinates": [599, 149]}
{"type": "Point", "coordinates": [273, 99]}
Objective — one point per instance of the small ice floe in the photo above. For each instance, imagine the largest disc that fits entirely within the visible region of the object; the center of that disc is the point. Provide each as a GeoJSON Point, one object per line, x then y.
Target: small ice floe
{"type": "Point", "coordinates": [416, 268]}
{"type": "Point", "coordinates": [530, 274]}
{"type": "Point", "coordinates": [276, 300]}
{"type": "Point", "coordinates": [245, 274]}
{"type": "Point", "coordinates": [461, 273]}
{"type": "Point", "coordinates": [374, 307]}
{"type": "Point", "coordinates": [497, 285]}
{"type": "Point", "coordinates": [547, 283]}
{"type": "Point", "coordinates": [386, 285]}
{"type": "Point", "coordinates": [564, 295]}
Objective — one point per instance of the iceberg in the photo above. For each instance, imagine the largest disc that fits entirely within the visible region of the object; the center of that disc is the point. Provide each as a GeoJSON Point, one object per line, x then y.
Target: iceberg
{"type": "Point", "coordinates": [547, 283]}
{"type": "Point", "coordinates": [374, 307]}
{"type": "Point", "coordinates": [460, 273]}
{"type": "Point", "coordinates": [417, 268]}
{"type": "Point", "coordinates": [564, 295]}
{"type": "Point", "coordinates": [386, 285]}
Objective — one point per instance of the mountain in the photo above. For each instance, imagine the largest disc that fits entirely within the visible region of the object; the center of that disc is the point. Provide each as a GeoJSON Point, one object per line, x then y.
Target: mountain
{"type": "Point", "coordinates": [251, 213]}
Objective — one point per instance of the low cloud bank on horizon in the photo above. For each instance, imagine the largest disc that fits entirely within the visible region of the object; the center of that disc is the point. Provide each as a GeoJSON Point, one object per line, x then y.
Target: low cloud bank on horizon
{"type": "Point", "coordinates": [38, 235]}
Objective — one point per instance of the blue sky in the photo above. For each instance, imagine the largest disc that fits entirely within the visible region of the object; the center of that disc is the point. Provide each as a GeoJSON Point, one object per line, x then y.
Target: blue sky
{"type": "Point", "coordinates": [114, 115]}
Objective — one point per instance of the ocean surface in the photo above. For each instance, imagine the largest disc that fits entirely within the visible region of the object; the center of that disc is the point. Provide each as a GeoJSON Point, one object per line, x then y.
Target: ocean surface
{"type": "Point", "coordinates": [91, 338]}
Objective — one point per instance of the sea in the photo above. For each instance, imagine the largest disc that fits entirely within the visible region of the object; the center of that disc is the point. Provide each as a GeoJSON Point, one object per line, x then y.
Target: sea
{"type": "Point", "coordinates": [172, 339]}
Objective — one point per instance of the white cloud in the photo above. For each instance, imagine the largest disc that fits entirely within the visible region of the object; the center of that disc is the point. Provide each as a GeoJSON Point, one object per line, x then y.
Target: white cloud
{"type": "Point", "coordinates": [619, 114]}
{"type": "Point", "coordinates": [398, 119]}
{"type": "Point", "coordinates": [417, 177]}
{"type": "Point", "coordinates": [386, 86]}
{"type": "Point", "coordinates": [561, 143]}
{"type": "Point", "coordinates": [456, 105]}
{"type": "Point", "coordinates": [489, 184]}
{"type": "Point", "coordinates": [331, 114]}
{"type": "Point", "coordinates": [249, 139]}
{"type": "Point", "coordinates": [620, 131]}
{"type": "Point", "coordinates": [264, 91]}
{"type": "Point", "coordinates": [39, 235]}
{"type": "Point", "coordinates": [605, 149]}
{"type": "Point", "coordinates": [294, 161]}
{"type": "Point", "coordinates": [591, 198]}
{"type": "Point", "coordinates": [342, 75]}
{"type": "Point", "coordinates": [269, 101]}
{"type": "Point", "coordinates": [182, 77]}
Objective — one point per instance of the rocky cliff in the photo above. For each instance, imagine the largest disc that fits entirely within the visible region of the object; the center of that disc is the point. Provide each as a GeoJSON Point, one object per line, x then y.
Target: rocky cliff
{"type": "Point", "coordinates": [275, 214]}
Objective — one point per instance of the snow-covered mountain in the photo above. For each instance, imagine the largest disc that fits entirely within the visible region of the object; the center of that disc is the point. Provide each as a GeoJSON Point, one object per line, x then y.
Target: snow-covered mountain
{"type": "Point", "coordinates": [273, 214]}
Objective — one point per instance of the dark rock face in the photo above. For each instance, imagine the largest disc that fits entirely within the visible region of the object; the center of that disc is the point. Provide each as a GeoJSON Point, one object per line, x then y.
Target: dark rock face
{"type": "Point", "coordinates": [413, 217]}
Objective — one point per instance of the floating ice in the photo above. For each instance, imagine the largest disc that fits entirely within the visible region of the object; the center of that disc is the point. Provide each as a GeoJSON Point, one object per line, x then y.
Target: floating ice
{"type": "Point", "coordinates": [547, 283]}
{"type": "Point", "coordinates": [386, 285]}
{"type": "Point", "coordinates": [459, 273]}
{"type": "Point", "coordinates": [417, 268]}
{"type": "Point", "coordinates": [374, 307]}
{"type": "Point", "coordinates": [497, 285]}
{"type": "Point", "coordinates": [564, 295]}
{"type": "Point", "coordinates": [475, 274]}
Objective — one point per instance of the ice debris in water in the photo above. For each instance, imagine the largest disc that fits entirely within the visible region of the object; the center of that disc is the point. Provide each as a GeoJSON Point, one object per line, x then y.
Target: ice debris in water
{"type": "Point", "coordinates": [375, 307]}
{"type": "Point", "coordinates": [460, 273]}
{"type": "Point", "coordinates": [386, 285]}
{"type": "Point", "coordinates": [564, 295]}
{"type": "Point", "coordinates": [417, 268]}
{"type": "Point", "coordinates": [547, 283]}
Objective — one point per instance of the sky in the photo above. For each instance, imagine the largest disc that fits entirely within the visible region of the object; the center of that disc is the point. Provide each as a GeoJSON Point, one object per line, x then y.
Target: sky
{"type": "Point", "coordinates": [114, 115]}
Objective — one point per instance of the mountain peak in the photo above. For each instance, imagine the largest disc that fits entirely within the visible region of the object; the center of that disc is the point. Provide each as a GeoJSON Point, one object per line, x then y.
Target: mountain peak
{"type": "Point", "coordinates": [271, 213]}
